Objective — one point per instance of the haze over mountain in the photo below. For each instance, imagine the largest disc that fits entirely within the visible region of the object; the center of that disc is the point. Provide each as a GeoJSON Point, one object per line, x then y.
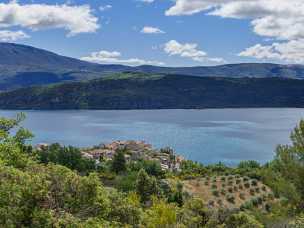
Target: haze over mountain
{"type": "Point", "coordinates": [22, 66]}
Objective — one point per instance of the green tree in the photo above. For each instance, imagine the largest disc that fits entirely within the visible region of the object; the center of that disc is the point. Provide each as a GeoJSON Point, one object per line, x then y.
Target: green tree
{"type": "Point", "coordinates": [119, 161]}
{"type": "Point", "coordinates": [242, 220]}
{"type": "Point", "coordinates": [146, 186]}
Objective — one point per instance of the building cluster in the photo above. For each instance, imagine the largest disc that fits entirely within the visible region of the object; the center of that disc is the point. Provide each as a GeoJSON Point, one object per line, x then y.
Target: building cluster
{"type": "Point", "coordinates": [135, 150]}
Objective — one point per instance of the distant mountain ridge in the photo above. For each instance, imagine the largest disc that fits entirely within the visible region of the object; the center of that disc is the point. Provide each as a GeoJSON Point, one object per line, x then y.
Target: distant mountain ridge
{"type": "Point", "coordinates": [22, 66]}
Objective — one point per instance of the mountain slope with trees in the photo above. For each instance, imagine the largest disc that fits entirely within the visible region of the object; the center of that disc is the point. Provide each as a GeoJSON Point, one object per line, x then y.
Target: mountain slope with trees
{"type": "Point", "coordinates": [157, 91]}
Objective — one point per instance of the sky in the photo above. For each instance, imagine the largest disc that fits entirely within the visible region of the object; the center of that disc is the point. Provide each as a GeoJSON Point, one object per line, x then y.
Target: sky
{"type": "Point", "coordinates": [160, 32]}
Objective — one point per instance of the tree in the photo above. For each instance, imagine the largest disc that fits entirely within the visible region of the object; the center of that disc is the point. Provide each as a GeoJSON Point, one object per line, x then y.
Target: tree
{"type": "Point", "coordinates": [119, 161]}
{"type": "Point", "coordinates": [146, 186]}
{"type": "Point", "coordinates": [242, 220]}
{"type": "Point", "coordinates": [289, 161]}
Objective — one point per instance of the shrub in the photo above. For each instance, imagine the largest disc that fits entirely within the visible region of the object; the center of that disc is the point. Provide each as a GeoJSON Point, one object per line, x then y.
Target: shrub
{"type": "Point", "coordinates": [230, 189]}
{"type": "Point", "coordinates": [247, 205]}
{"type": "Point", "coordinates": [238, 181]}
{"type": "Point", "coordinates": [245, 179]}
{"type": "Point", "coordinates": [214, 186]}
{"type": "Point", "coordinates": [223, 178]}
{"type": "Point", "coordinates": [230, 183]}
{"type": "Point", "coordinates": [255, 202]}
{"type": "Point", "coordinates": [241, 187]}
{"type": "Point", "coordinates": [252, 191]}
{"type": "Point", "coordinates": [254, 182]}
{"type": "Point", "coordinates": [223, 192]}
{"type": "Point", "coordinates": [230, 199]}
{"type": "Point", "coordinates": [223, 185]}
{"type": "Point", "coordinates": [247, 185]}
{"type": "Point", "coordinates": [230, 177]}
{"type": "Point", "coordinates": [206, 183]}
{"type": "Point", "coordinates": [208, 178]}
{"type": "Point", "coordinates": [215, 193]}
{"type": "Point", "coordinates": [264, 188]}
{"type": "Point", "coordinates": [214, 180]}
{"type": "Point", "coordinates": [220, 202]}
{"type": "Point", "coordinates": [242, 196]}
{"type": "Point", "coordinates": [270, 196]}
{"type": "Point", "coordinates": [235, 188]}
{"type": "Point", "coordinates": [257, 190]}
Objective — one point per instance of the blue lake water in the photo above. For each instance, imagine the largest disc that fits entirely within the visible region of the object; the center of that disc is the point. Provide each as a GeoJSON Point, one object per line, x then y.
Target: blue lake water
{"type": "Point", "coordinates": [207, 136]}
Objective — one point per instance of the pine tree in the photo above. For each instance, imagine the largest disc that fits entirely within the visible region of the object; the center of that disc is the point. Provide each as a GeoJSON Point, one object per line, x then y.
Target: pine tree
{"type": "Point", "coordinates": [119, 162]}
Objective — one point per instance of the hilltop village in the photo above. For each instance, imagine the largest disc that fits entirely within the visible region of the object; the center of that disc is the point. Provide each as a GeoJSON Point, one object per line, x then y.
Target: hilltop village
{"type": "Point", "coordinates": [134, 151]}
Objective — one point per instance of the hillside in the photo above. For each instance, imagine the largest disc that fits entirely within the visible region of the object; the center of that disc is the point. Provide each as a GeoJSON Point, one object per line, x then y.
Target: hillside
{"type": "Point", "coordinates": [145, 91]}
{"type": "Point", "coordinates": [23, 66]}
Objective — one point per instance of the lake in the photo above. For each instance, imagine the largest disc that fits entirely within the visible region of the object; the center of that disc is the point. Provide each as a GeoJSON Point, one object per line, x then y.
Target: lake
{"type": "Point", "coordinates": [207, 136]}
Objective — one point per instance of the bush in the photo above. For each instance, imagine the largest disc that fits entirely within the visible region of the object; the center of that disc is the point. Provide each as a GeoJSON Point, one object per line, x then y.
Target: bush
{"type": "Point", "coordinates": [220, 202]}
{"type": "Point", "coordinates": [215, 193]}
{"type": "Point", "coordinates": [264, 188]}
{"type": "Point", "coordinates": [257, 190]}
{"type": "Point", "coordinates": [230, 199]}
{"type": "Point", "coordinates": [238, 181]}
{"type": "Point", "coordinates": [230, 189]}
{"type": "Point", "coordinates": [235, 188]}
{"type": "Point", "coordinates": [242, 196]}
{"type": "Point", "coordinates": [206, 183]}
{"type": "Point", "coordinates": [252, 191]}
{"type": "Point", "coordinates": [254, 183]}
{"type": "Point", "coordinates": [223, 178]}
{"type": "Point", "coordinates": [223, 192]}
{"type": "Point", "coordinates": [241, 187]}
{"type": "Point", "coordinates": [230, 183]}
{"type": "Point", "coordinates": [245, 179]}
{"type": "Point", "coordinates": [214, 186]}
{"type": "Point", "coordinates": [230, 177]}
{"type": "Point", "coordinates": [223, 185]}
{"type": "Point", "coordinates": [247, 185]}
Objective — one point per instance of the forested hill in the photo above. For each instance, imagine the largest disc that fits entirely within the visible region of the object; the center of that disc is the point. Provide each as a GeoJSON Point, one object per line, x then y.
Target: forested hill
{"type": "Point", "coordinates": [145, 91]}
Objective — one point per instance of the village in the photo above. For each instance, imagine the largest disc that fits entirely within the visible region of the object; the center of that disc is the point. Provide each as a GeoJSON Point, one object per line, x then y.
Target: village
{"type": "Point", "coordinates": [135, 150]}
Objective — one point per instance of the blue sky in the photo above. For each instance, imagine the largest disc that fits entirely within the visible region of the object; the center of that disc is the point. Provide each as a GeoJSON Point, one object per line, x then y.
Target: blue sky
{"type": "Point", "coordinates": [178, 33]}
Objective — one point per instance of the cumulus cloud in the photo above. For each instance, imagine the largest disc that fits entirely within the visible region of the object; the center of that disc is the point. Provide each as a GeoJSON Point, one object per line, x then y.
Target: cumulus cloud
{"type": "Point", "coordinates": [107, 57]}
{"type": "Point", "coordinates": [151, 30]}
{"type": "Point", "coordinates": [279, 19]}
{"type": "Point", "coordinates": [292, 51]}
{"type": "Point", "coordinates": [10, 36]}
{"type": "Point", "coordinates": [74, 19]}
{"type": "Point", "coordinates": [189, 50]}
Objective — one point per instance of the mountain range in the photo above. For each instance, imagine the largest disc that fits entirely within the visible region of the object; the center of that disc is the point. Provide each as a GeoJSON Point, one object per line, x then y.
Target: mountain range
{"type": "Point", "coordinates": [23, 66]}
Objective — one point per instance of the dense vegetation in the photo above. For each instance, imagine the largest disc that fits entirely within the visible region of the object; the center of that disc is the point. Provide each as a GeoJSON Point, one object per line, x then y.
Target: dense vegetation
{"type": "Point", "coordinates": [55, 187]}
{"type": "Point", "coordinates": [22, 66]}
{"type": "Point", "coordinates": [145, 91]}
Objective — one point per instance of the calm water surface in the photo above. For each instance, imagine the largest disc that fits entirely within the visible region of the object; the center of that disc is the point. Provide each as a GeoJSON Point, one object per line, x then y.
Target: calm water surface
{"type": "Point", "coordinates": [208, 136]}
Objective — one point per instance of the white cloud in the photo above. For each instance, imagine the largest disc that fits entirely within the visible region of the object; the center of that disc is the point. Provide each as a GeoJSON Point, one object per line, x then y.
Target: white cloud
{"type": "Point", "coordinates": [189, 50]}
{"type": "Point", "coordinates": [291, 51]}
{"type": "Point", "coordinates": [279, 19]}
{"type": "Point", "coordinates": [147, 1]}
{"type": "Point", "coordinates": [74, 19]}
{"type": "Point", "coordinates": [151, 30]}
{"type": "Point", "coordinates": [9, 36]}
{"type": "Point", "coordinates": [104, 8]}
{"type": "Point", "coordinates": [106, 57]}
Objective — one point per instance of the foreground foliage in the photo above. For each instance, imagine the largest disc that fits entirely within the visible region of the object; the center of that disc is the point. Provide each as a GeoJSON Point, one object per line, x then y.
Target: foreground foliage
{"type": "Point", "coordinates": [59, 188]}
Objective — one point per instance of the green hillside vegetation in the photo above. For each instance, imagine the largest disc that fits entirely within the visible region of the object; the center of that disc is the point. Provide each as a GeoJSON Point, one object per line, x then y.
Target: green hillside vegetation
{"type": "Point", "coordinates": [59, 188]}
{"type": "Point", "coordinates": [156, 91]}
